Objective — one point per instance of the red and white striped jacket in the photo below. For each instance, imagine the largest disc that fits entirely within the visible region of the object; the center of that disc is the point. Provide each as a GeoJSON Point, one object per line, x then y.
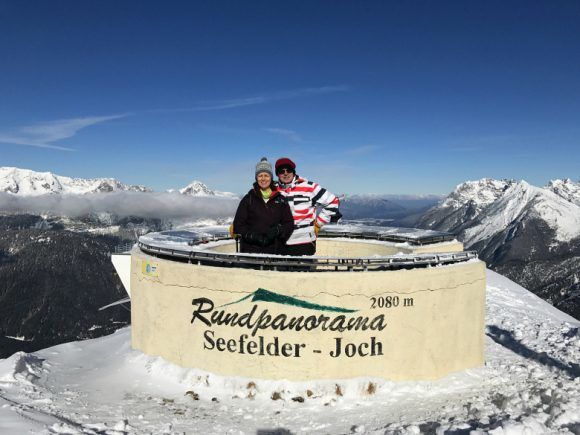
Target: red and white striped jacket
{"type": "Point", "coordinates": [304, 197]}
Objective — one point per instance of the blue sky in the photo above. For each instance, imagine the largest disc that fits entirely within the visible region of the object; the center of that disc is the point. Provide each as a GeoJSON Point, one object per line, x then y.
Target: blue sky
{"type": "Point", "coordinates": [366, 97]}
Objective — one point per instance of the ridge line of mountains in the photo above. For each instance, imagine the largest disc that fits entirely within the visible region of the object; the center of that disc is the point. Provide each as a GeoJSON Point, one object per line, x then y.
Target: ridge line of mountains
{"type": "Point", "coordinates": [25, 182]}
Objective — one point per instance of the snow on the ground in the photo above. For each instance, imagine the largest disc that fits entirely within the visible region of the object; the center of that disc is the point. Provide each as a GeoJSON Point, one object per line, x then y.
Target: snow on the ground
{"type": "Point", "coordinates": [530, 384]}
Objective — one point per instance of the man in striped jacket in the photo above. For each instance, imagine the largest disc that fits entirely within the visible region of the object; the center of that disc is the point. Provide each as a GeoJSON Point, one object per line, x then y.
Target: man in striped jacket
{"type": "Point", "coordinates": [304, 197]}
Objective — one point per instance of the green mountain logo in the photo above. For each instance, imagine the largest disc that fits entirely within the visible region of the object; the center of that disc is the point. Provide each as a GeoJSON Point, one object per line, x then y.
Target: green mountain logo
{"type": "Point", "coordinates": [264, 295]}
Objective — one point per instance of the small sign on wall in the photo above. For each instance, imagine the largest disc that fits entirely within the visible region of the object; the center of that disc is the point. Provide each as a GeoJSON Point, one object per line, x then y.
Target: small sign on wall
{"type": "Point", "coordinates": [149, 268]}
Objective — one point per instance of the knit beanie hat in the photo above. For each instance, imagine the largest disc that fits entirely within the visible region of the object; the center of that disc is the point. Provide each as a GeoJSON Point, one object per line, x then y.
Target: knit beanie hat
{"type": "Point", "coordinates": [285, 161]}
{"type": "Point", "coordinates": [264, 166]}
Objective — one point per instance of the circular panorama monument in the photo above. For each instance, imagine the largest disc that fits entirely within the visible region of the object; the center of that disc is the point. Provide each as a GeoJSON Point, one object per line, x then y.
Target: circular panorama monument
{"type": "Point", "coordinates": [399, 304]}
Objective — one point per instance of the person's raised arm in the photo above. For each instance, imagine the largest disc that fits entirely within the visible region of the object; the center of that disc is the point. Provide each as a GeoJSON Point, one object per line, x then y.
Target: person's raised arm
{"type": "Point", "coordinates": [328, 204]}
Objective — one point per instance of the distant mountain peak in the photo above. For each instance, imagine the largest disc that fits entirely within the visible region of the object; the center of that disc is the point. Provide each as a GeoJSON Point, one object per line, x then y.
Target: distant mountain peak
{"type": "Point", "coordinates": [520, 202]}
{"type": "Point", "coordinates": [480, 209]}
{"type": "Point", "coordinates": [25, 182]}
{"type": "Point", "coordinates": [197, 188]}
{"type": "Point", "coordinates": [369, 206]}
{"type": "Point", "coordinates": [479, 193]}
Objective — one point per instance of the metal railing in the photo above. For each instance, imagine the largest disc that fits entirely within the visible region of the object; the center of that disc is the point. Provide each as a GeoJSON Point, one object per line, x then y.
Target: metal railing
{"type": "Point", "coordinates": [395, 238]}
{"type": "Point", "coordinates": [124, 248]}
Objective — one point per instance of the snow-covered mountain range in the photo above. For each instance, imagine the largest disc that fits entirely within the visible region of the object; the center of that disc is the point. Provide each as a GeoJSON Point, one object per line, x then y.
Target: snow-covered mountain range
{"type": "Point", "coordinates": [480, 209]}
{"type": "Point", "coordinates": [24, 182]}
{"type": "Point", "coordinates": [369, 206]}
{"type": "Point", "coordinates": [386, 208]}
{"type": "Point", "coordinates": [528, 233]}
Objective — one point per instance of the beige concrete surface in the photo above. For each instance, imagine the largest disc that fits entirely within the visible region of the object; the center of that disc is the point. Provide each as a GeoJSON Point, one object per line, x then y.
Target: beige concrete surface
{"type": "Point", "coordinates": [400, 325]}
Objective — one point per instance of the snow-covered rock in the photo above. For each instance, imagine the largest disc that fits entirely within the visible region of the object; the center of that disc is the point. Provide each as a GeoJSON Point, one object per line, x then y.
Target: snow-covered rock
{"type": "Point", "coordinates": [197, 188]}
{"type": "Point", "coordinates": [478, 210]}
{"type": "Point", "coordinates": [520, 201]}
{"type": "Point", "coordinates": [464, 205]}
{"type": "Point", "coordinates": [479, 193]}
{"type": "Point", "coordinates": [24, 182]}
{"type": "Point", "coordinates": [567, 189]}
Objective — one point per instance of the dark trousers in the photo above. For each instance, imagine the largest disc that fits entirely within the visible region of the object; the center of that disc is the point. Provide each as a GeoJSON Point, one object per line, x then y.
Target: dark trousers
{"type": "Point", "coordinates": [302, 249]}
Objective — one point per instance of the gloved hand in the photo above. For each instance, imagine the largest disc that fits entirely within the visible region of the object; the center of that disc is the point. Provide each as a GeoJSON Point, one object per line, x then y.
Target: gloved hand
{"type": "Point", "coordinates": [316, 229]}
{"type": "Point", "coordinates": [232, 234]}
{"type": "Point", "coordinates": [258, 239]}
{"type": "Point", "coordinates": [336, 217]}
{"type": "Point", "coordinates": [274, 232]}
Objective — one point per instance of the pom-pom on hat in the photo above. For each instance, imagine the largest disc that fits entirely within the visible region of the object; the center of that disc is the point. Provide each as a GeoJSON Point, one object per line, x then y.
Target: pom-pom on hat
{"type": "Point", "coordinates": [264, 166]}
{"type": "Point", "coordinates": [285, 161]}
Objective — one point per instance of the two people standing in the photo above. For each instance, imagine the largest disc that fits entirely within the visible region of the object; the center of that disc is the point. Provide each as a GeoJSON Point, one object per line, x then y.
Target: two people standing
{"type": "Point", "coordinates": [263, 219]}
{"type": "Point", "coordinates": [282, 218]}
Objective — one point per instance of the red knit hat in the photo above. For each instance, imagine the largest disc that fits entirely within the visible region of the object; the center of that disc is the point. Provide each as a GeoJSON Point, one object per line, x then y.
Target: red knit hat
{"type": "Point", "coordinates": [285, 161]}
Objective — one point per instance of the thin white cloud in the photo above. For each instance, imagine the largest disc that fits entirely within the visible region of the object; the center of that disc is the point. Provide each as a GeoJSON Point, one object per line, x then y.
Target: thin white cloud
{"type": "Point", "coordinates": [257, 99]}
{"type": "Point", "coordinates": [44, 135]}
{"type": "Point", "coordinates": [288, 134]}
{"type": "Point", "coordinates": [361, 150]}
{"type": "Point", "coordinates": [16, 140]}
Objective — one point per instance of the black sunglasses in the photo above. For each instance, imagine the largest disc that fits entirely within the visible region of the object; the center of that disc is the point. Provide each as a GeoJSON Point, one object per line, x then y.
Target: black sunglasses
{"type": "Point", "coordinates": [284, 171]}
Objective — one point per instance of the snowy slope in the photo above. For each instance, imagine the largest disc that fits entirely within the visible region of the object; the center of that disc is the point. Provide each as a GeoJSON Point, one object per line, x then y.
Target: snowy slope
{"type": "Point", "coordinates": [464, 205]}
{"type": "Point", "coordinates": [478, 210]}
{"type": "Point", "coordinates": [530, 384]}
{"type": "Point", "coordinates": [480, 193]}
{"type": "Point", "coordinates": [25, 182]}
{"type": "Point", "coordinates": [520, 199]}
{"type": "Point", "coordinates": [567, 189]}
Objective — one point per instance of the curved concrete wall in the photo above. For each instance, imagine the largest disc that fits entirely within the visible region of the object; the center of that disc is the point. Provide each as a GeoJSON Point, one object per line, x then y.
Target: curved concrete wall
{"type": "Point", "coordinates": [399, 325]}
